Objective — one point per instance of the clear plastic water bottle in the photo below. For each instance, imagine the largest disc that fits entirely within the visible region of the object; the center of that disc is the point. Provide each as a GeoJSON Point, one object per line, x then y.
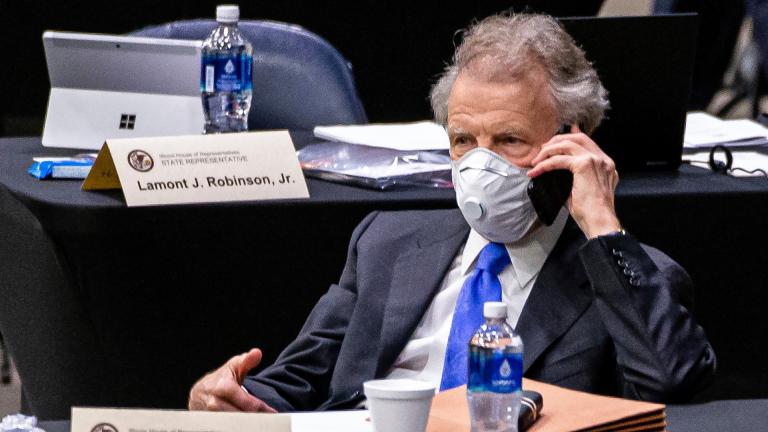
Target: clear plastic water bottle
{"type": "Point", "coordinates": [495, 372]}
{"type": "Point", "coordinates": [226, 81]}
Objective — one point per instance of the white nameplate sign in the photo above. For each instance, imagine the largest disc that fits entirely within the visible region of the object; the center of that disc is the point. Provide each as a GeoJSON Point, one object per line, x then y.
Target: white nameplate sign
{"type": "Point", "coordinates": [145, 420]}
{"type": "Point", "coordinates": [200, 168]}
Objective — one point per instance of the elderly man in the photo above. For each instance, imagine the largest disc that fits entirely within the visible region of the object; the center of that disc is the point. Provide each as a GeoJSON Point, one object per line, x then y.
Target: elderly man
{"type": "Point", "coordinates": [597, 310]}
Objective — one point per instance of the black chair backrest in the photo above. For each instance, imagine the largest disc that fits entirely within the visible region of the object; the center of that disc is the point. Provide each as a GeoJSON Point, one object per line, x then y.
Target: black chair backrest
{"type": "Point", "coordinates": [299, 79]}
{"type": "Point", "coordinates": [46, 324]}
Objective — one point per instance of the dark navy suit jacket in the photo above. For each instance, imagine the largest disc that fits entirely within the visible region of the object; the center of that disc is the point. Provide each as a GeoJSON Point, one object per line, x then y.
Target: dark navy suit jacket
{"type": "Point", "coordinates": [607, 316]}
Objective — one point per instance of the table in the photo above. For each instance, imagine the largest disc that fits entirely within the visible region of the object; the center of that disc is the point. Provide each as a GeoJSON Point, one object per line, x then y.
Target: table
{"type": "Point", "coordinates": [727, 415]}
{"type": "Point", "coordinates": [160, 295]}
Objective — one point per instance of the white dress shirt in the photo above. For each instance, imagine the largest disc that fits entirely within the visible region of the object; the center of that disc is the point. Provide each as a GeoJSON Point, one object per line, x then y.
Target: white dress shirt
{"type": "Point", "coordinates": [424, 355]}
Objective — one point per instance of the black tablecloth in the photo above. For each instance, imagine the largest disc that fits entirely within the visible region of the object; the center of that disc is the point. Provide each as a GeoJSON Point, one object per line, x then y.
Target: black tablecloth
{"type": "Point", "coordinates": [719, 416]}
{"type": "Point", "coordinates": [172, 291]}
{"type": "Point", "coordinates": [727, 415]}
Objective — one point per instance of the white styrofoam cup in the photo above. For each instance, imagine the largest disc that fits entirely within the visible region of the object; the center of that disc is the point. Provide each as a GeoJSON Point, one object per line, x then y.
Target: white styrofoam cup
{"type": "Point", "coordinates": [399, 405]}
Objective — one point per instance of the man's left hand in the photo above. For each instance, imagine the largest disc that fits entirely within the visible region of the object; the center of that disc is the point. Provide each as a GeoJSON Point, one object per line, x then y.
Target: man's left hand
{"type": "Point", "coordinates": [594, 180]}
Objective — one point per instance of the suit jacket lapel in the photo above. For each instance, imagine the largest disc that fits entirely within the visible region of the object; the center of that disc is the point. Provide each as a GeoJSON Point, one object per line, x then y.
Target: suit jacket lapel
{"type": "Point", "coordinates": [417, 275]}
{"type": "Point", "coordinates": [561, 282]}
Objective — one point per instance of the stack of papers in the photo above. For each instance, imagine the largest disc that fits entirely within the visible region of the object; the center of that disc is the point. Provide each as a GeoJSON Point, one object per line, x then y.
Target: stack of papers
{"type": "Point", "coordinates": [380, 156]}
{"type": "Point", "coordinates": [397, 136]}
{"type": "Point", "coordinates": [705, 131]}
{"type": "Point", "coordinates": [563, 410]}
{"type": "Point", "coordinates": [745, 163]}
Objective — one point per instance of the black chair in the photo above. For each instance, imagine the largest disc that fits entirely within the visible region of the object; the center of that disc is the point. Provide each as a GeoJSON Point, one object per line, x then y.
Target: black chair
{"type": "Point", "coordinates": [5, 363]}
{"type": "Point", "coordinates": [46, 324]}
{"type": "Point", "coordinates": [299, 79]}
{"type": "Point", "coordinates": [748, 82]}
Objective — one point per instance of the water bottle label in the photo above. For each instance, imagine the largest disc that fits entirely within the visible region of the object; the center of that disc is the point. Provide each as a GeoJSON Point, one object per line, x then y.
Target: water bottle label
{"type": "Point", "coordinates": [495, 371]}
{"type": "Point", "coordinates": [226, 73]}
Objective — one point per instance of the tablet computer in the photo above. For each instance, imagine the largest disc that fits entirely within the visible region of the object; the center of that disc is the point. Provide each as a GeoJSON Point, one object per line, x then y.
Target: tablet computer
{"type": "Point", "coordinates": [108, 86]}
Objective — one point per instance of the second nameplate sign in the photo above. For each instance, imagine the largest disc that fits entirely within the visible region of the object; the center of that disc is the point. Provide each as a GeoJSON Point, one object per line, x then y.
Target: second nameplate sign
{"type": "Point", "coordinates": [200, 168]}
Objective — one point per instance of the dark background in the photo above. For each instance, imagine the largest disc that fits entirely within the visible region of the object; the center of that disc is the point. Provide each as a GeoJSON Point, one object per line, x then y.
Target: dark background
{"type": "Point", "coordinates": [396, 47]}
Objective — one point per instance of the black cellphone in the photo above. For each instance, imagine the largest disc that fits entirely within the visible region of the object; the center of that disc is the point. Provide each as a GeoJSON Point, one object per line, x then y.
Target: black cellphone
{"type": "Point", "coordinates": [549, 191]}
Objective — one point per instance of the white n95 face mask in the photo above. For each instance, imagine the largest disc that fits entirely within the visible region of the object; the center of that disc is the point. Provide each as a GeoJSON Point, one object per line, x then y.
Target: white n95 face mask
{"type": "Point", "coordinates": [491, 193]}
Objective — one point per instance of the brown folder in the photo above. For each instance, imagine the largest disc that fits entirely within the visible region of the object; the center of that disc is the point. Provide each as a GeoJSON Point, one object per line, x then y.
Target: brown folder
{"type": "Point", "coordinates": [564, 410]}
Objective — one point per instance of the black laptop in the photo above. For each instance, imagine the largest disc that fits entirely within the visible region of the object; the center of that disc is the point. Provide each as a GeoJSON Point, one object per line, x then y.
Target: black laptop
{"type": "Point", "coordinates": [646, 64]}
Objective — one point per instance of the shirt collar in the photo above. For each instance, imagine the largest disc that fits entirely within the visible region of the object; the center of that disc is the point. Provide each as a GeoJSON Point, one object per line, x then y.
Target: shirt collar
{"type": "Point", "coordinates": [527, 254]}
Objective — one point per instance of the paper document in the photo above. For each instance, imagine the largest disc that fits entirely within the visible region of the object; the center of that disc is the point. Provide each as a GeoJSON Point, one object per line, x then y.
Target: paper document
{"type": "Point", "coordinates": [398, 136]}
{"type": "Point", "coordinates": [378, 172]}
{"type": "Point", "coordinates": [703, 130]}
{"type": "Point", "coordinates": [375, 167]}
{"type": "Point", "coordinates": [744, 162]}
{"type": "Point", "coordinates": [331, 421]}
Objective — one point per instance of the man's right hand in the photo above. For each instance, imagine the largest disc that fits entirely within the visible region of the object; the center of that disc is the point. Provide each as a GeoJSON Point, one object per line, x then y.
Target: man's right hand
{"type": "Point", "coordinates": [221, 389]}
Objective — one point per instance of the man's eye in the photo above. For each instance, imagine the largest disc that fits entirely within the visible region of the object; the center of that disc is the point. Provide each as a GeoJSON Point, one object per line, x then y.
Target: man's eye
{"type": "Point", "coordinates": [461, 140]}
{"type": "Point", "coordinates": [510, 140]}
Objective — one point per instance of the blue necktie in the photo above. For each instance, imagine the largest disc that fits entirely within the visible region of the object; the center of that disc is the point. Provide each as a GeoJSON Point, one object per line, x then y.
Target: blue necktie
{"type": "Point", "coordinates": [481, 286]}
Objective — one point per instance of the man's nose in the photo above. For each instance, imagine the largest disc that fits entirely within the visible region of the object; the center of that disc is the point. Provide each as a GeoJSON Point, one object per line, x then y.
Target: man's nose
{"type": "Point", "coordinates": [486, 143]}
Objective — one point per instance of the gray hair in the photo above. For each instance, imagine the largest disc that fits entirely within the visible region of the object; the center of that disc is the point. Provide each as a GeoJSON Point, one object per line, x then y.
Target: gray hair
{"type": "Point", "coordinates": [504, 47]}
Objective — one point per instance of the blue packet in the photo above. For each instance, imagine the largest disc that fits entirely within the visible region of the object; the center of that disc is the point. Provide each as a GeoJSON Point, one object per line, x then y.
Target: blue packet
{"type": "Point", "coordinates": [76, 167]}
